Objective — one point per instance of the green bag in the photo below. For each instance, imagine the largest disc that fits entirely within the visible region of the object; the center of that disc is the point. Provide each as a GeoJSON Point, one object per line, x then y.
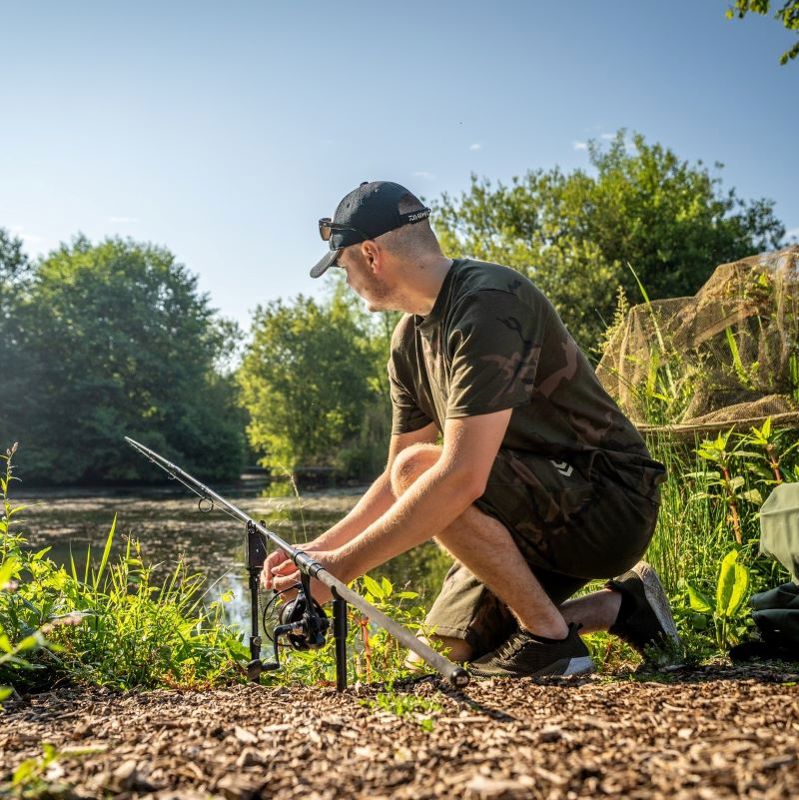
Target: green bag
{"type": "Point", "coordinates": [779, 527]}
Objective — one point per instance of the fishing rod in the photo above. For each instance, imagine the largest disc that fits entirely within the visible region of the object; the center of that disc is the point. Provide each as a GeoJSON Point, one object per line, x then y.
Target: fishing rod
{"type": "Point", "coordinates": [303, 622]}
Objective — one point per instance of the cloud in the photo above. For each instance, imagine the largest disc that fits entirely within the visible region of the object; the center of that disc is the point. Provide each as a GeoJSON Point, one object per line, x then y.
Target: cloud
{"type": "Point", "coordinates": [475, 147]}
{"type": "Point", "coordinates": [580, 145]}
{"type": "Point", "coordinates": [608, 137]}
{"type": "Point", "coordinates": [123, 220]}
{"type": "Point", "coordinates": [428, 176]}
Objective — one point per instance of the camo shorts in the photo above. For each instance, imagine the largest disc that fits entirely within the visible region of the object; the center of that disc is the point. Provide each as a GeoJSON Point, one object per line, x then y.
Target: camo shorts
{"type": "Point", "coordinates": [572, 522]}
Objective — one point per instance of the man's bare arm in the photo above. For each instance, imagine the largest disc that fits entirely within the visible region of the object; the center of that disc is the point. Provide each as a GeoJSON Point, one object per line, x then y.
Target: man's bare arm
{"type": "Point", "coordinates": [433, 502]}
{"type": "Point", "coordinates": [436, 499]}
{"type": "Point", "coordinates": [373, 504]}
{"type": "Point", "coordinates": [378, 498]}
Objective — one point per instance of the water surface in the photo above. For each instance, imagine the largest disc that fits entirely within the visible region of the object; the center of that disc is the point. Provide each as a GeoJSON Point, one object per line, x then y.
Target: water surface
{"type": "Point", "coordinates": [169, 525]}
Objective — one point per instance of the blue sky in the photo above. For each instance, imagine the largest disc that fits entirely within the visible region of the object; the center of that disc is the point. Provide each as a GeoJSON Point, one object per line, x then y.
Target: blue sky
{"type": "Point", "coordinates": [225, 130]}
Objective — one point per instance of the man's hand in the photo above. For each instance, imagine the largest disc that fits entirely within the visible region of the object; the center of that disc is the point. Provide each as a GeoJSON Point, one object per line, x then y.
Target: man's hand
{"type": "Point", "coordinates": [278, 564]}
{"type": "Point", "coordinates": [290, 575]}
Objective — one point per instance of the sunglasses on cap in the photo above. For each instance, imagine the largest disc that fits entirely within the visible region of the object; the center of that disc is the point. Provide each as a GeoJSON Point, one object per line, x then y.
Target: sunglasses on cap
{"type": "Point", "coordinates": [327, 227]}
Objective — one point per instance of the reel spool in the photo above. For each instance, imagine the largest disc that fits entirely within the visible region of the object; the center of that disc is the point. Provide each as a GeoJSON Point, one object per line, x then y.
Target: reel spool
{"type": "Point", "coordinates": [303, 623]}
{"type": "Point", "coordinates": [305, 628]}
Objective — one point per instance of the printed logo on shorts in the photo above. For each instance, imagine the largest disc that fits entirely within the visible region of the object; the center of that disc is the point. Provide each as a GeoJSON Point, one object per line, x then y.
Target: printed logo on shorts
{"type": "Point", "coordinates": [562, 467]}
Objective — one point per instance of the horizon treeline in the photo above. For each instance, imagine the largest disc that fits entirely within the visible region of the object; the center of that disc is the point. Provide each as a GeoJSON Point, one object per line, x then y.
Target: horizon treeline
{"type": "Point", "coordinates": [103, 340]}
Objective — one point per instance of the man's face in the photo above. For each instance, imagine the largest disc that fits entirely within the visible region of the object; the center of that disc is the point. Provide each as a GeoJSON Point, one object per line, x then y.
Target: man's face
{"type": "Point", "coordinates": [374, 291]}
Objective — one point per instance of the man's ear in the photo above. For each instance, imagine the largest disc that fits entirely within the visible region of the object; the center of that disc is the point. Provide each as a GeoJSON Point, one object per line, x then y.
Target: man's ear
{"type": "Point", "coordinates": [373, 254]}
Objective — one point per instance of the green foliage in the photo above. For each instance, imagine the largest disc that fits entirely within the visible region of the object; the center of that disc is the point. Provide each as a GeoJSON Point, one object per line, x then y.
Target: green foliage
{"type": "Point", "coordinates": [113, 339]}
{"type": "Point", "coordinates": [728, 614]}
{"type": "Point", "coordinates": [107, 623]}
{"type": "Point", "coordinates": [12, 648]}
{"type": "Point", "coordinates": [787, 14]}
{"type": "Point", "coordinates": [402, 704]}
{"type": "Point", "coordinates": [711, 498]}
{"type": "Point", "coordinates": [374, 654]}
{"type": "Point", "coordinates": [308, 383]}
{"type": "Point", "coordinates": [15, 269]}
{"type": "Point", "coordinates": [574, 234]}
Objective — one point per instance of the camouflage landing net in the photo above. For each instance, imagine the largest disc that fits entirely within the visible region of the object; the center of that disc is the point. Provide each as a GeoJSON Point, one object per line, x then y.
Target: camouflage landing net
{"type": "Point", "coordinates": [727, 357]}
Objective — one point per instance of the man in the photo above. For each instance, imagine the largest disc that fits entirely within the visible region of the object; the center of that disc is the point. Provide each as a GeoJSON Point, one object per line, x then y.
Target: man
{"type": "Point", "coordinates": [540, 485]}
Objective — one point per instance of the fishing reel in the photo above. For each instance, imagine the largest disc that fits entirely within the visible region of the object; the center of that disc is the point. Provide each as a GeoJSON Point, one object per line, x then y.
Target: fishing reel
{"type": "Point", "coordinates": [302, 622]}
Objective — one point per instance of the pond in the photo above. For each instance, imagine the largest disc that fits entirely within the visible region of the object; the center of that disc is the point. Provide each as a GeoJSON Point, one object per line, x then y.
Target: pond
{"type": "Point", "coordinates": [169, 525]}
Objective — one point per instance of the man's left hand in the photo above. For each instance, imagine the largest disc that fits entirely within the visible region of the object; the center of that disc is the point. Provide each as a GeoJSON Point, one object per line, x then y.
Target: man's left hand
{"type": "Point", "coordinates": [330, 560]}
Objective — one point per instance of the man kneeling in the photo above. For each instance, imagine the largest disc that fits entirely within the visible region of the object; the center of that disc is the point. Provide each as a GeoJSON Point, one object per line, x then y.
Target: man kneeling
{"type": "Point", "coordinates": [540, 484]}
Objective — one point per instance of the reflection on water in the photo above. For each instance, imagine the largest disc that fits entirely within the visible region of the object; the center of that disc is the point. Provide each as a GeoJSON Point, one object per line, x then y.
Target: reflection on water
{"type": "Point", "coordinates": [169, 525]}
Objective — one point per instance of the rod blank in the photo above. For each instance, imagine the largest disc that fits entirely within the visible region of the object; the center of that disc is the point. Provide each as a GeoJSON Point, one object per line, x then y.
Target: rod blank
{"type": "Point", "coordinates": [455, 674]}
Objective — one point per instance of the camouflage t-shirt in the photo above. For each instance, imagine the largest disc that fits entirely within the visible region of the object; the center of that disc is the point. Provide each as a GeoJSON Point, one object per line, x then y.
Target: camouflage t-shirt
{"type": "Point", "coordinates": [493, 342]}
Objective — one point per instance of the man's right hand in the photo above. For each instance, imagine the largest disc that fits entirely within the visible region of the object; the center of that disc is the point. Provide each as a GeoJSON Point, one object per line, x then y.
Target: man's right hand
{"type": "Point", "coordinates": [279, 564]}
{"type": "Point", "coordinates": [275, 560]}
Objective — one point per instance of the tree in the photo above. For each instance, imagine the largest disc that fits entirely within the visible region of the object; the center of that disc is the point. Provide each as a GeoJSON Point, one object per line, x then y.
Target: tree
{"type": "Point", "coordinates": [365, 455]}
{"type": "Point", "coordinates": [14, 264]}
{"type": "Point", "coordinates": [15, 270]}
{"type": "Point", "coordinates": [305, 382]}
{"type": "Point", "coordinates": [575, 234]}
{"type": "Point", "coordinates": [788, 14]}
{"type": "Point", "coordinates": [111, 340]}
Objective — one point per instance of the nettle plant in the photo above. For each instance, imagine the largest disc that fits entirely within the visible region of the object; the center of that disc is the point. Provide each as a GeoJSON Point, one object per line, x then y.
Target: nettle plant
{"type": "Point", "coordinates": [721, 483]}
{"type": "Point", "coordinates": [13, 646]}
{"type": "Point", "coordinates": [743, 468]}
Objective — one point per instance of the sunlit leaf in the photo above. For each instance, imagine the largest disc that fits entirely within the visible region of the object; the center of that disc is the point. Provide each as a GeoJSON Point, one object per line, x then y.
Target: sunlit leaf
{"type": "Point", "coordinates": [732, 586]}
{"type": "Point", "coordinates": [373, 587]}
{"type": "Point", "coordinates": [698, 600]}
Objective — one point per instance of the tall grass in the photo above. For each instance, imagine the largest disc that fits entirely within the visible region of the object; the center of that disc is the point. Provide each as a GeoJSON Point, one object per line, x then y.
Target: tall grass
{"type": "Point", "coordinates": [691, 535]}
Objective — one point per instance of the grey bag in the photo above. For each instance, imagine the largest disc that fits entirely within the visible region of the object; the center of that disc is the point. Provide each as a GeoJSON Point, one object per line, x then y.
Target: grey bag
{"type": "Point", "coordinates": [779, 527]}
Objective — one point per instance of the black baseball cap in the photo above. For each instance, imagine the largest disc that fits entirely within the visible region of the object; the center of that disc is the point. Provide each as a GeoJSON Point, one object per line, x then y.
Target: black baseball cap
{"type": "Point", "coordinates": [366, 213]}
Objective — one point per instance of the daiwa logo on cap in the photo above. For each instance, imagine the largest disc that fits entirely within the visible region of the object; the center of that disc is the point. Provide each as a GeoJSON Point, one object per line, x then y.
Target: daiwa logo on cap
{"type": "Point", "coordinates": [416, 216]}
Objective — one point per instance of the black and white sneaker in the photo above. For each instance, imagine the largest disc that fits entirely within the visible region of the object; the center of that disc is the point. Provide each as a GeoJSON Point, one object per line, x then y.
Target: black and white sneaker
{"type": "Point", "coordinates": [645, 621]}
{"type": "Point", "coordinates": [525, 655]}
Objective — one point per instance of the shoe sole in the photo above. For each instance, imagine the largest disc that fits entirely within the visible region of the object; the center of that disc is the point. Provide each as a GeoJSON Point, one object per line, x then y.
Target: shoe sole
{"type": "Point", "coordinates": [580, 666]}
{"type": "Point", "coordinates": [658, 601]}
{"type": "Point", "coordinates": [571, 666]}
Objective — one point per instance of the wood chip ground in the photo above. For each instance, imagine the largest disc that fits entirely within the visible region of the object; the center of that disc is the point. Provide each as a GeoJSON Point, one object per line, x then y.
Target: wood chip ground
{"type": "Point", "coordinates": [703, 733]}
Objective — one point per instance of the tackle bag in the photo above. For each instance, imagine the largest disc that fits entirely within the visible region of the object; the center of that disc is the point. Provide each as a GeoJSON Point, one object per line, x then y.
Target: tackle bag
{"type": "Point", "coordinates": [776, 614]}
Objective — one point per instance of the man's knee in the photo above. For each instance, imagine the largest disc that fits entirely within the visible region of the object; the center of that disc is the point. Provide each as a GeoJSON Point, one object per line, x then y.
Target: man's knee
{"type": "Point", "coordinates": [410, 464]}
